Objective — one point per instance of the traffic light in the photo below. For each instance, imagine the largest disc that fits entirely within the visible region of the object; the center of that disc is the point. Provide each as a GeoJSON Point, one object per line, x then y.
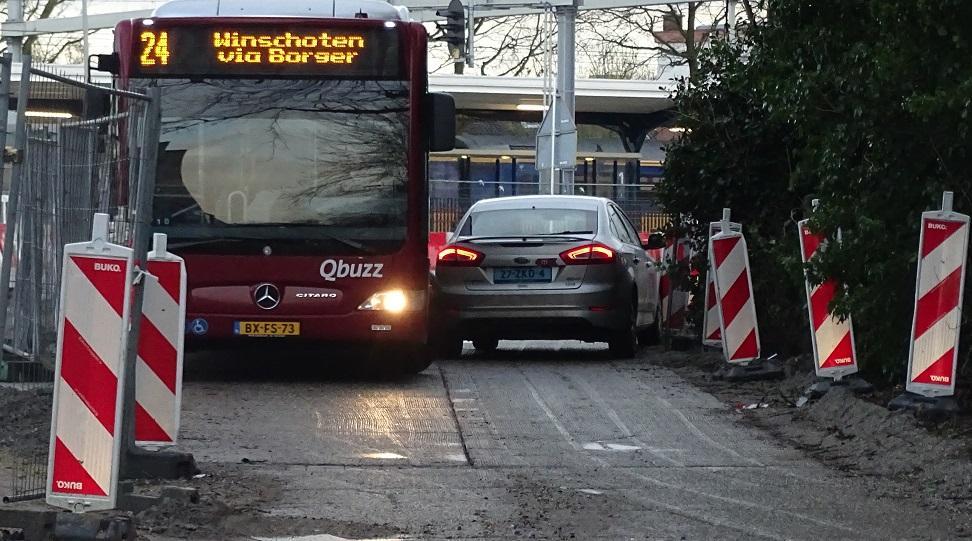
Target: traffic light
{"type": "Point", "coordinates": [454, 28]}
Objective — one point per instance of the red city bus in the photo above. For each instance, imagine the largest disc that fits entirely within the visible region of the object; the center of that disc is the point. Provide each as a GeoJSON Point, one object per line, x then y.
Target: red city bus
{"type": "Point", "coordinates": [291, 170]}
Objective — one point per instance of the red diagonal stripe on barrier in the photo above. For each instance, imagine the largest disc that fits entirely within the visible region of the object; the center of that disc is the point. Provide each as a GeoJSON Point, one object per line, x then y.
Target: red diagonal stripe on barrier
{"type": "Point", "coordinates": [811, 242]}
{"type": "Point", "coordinates": [710, 297]}
{"type": "Point", "coordinates": [820, 302]}
{"type": "Point", "coordinates": [89, 377]}
{"type": "Point", "coordinates": [147, 428]}
{"type": "Point", "coordinates": [664, 286]}
{"type": "Point", "coordinates": [676, 320]}
{"type": "Point", "coordinates": [938, 372]}
{"type": "Point", "coordinates": [74, 479]}
{"type": "Point", "coordinates": [722, 249]}
{"type": "Point", "coordinates": [939, 301]}
{"type": "Point", "coordinates": [747, 349]}
{"type": "Point", "coordinates": [158, 353]}
{"type": "Point", "coordinates": [169, 274]}
{"type": "Point", "coordinates": [940, 231]}
{"type": "Point", "coordinates": [735, 298]}
{"type": "Point", "coordinates": [716, 335]}
{"type": "Point", "coordinates": [842, 355]}
{"type": "Point", "coordinates": [110, 283]}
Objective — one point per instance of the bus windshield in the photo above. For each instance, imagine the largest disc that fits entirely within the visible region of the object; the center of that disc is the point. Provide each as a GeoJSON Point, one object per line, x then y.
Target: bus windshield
{"type": "Point", "coordinates": [281, 158]}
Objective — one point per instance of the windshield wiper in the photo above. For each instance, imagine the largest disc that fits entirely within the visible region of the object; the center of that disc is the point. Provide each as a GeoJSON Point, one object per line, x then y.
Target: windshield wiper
{"type": "Point", "coordinates": [348, 242]}
{"type": "Point", "coordinates": [200, 242]}
{"type": "Point", "coordinates": [572, 232]}
{"type": "Point", "coordinates": [317, 234]}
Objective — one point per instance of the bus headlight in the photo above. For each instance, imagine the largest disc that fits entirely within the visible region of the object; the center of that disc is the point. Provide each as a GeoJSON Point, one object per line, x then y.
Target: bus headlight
{"type": "Point", "coordinates": [395, 301]}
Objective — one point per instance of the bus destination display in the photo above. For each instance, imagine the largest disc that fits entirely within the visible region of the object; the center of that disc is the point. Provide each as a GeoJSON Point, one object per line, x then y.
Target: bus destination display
{"type": "Point", "coordinates": [259, 49]}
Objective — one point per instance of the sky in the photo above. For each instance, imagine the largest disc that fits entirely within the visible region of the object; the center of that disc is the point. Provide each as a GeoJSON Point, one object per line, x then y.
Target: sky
{"type": "Point", "coordinates": [101, 41]}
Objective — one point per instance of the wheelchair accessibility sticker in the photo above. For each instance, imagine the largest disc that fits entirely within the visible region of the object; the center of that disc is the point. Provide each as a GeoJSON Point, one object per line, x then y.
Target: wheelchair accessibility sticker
{"type": "Point", "coordinates": [198, 326]}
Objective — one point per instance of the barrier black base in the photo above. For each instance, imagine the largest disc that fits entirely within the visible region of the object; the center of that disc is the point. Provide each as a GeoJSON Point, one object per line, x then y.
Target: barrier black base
{"type": "Point", "coordinates": [932, 409]}
{"type": "Point", "coordinates": [753, 370]}
{"type": "Point", "coordinates": [48, 525]}
{"type": "Point", "coordinates": [141, 464]}
{"type": "Point", "coordinates": [857, 385]}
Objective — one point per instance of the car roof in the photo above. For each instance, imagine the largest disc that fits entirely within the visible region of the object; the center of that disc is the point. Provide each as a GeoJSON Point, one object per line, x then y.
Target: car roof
{"type": "Point", "coordinates": [546, 201]}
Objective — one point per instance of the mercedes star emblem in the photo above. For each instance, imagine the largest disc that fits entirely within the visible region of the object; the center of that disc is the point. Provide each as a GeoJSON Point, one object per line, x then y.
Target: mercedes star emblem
{"type": "Point", "coordinates": [266, 296]}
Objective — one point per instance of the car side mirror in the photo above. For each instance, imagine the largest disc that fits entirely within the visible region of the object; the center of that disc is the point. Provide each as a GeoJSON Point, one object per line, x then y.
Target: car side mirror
{"type": "Point", "coordinates": [654, 241]}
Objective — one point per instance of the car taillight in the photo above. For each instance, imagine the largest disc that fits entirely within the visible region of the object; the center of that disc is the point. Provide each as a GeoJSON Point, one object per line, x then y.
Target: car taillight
{"type": "Point", "coordinates": [589, 254]}
{"type": "Point", "coordinates": [457, 256]}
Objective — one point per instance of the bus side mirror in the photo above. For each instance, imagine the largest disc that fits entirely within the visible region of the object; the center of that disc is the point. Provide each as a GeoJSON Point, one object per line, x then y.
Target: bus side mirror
{"type": "Point", "coordinates": [105, 62]}
{"type": "Point", "coordinates": [654, 241]}
{"type": "Point", "coordinates": [440, 111]}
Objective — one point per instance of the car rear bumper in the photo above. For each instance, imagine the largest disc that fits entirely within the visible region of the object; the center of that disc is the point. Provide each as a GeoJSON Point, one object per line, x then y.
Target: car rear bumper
{"type": "Point", "coordinates": [588, 313]}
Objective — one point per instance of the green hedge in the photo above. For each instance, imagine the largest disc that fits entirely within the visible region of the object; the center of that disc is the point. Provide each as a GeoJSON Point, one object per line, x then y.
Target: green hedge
{"type": "Point", "coordinates": [865, 105]}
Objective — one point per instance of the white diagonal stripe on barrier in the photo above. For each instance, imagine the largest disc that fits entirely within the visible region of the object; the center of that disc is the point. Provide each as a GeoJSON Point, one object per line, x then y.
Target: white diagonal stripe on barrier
{"type": "Point", "coordinates": [739, 329]}
{"type": "Point", "coordinates": [732, 266]}
{"type": "Point", "coordinates": [84, 435]}
{"type": "Point", "coordinates": [942, 261]}
{"type": "Point", "coordinates": [935, 342]}
{"type": "Point", "coordinates": [90, 317]}
{"type": "Point", "coordinates": [829, 335]}
{"type": "Point", "coordinates": [679, 301]}
{"type": "Point", "coordinates": [161, 309]}
{"type": "Point", "coordinates": [155, 397]}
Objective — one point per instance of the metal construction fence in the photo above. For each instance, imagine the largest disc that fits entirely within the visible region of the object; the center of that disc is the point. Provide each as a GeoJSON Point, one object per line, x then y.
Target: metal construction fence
{"type": "Point", "coordinates": [446, 206]}
{"type": "Point", "coordinates": [65, 166]}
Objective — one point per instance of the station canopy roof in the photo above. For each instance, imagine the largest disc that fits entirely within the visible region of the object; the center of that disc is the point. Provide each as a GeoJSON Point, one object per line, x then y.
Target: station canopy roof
{"type": "Point", "coordinates": [471, 92]}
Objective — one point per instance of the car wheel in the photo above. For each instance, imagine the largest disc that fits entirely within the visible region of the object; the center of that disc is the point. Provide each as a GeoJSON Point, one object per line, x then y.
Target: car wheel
{"type": "Point", "coordinates": [623, 343]}
{"type": "Point", "coordinates": [651, 336]}
{"type": "Point", "coordinates": [448, 346]}
{"type": "Point", "coordinates": [402, 361]}
{"type": "Point", "coordinates": [416, 360]}
{"type": "Point", "coordinates": [485, 345]}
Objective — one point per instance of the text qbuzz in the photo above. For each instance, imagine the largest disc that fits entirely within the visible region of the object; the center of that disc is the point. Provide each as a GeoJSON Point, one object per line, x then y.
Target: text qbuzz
{"type": "Point", "coordinates": [332, 269]}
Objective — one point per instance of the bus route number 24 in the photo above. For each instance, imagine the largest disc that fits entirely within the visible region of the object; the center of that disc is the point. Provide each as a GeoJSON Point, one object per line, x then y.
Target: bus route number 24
{"type": "Point", "coordinates": [155, 48]}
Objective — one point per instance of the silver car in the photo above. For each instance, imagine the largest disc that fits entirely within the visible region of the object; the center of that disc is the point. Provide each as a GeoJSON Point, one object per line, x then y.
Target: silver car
{"type": "Point", "coordinates": [546, 267]}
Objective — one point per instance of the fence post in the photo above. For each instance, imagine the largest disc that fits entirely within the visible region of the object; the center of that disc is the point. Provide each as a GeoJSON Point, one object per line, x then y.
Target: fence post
{"type": "Point", "coordinates": [6, 72]}
{"type": "Point", "coordinates": [141, 229]}
{"type": "Point", "coordinates": [16, 174]}
{"type": "Point", "coordinates": [135, 462]}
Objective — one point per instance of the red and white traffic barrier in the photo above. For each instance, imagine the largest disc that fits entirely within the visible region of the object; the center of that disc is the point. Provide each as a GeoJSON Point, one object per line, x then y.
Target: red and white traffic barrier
{"type": "Point", "coordinates": [158, 372]}
{"type": "Point", "coordinates": [82, 469]}
{"type": "Point", "coordinates": [942, 251]}
{"type": "Point", "coordinates": [711, 331]}
{"type": "Point", "coordinates": [437, 241]}
{"type": "Point", "coordinates": [734, 291]}
{"type": "Point", "coordinates": [674, 301]}
{"type": "Point", "coordinates": [834, 352]}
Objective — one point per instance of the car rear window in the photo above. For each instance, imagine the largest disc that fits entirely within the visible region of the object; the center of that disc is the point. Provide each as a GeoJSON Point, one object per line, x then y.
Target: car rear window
{"type": "Point", "coordinates": [529, 221]}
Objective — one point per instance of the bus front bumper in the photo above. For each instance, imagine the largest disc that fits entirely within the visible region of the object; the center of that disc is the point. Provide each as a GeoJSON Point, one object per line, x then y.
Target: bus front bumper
{"type": "Point", "coordinates": [356, 327]}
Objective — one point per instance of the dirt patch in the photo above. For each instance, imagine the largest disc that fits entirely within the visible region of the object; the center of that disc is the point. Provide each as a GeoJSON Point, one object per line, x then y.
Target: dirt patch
{"type": "Point", "coordinates": [852, 434]}
{"type": "Point", "coordinates": [250, 494]}
{"type": "Point", "coordinates": [25, 416]}
{"type": "Point", "coordinates": [232, 503]}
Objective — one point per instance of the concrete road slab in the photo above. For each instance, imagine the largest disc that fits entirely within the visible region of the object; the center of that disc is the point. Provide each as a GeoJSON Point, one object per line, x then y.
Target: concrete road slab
{"type": "Point", "coordinates": [538, 440]}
